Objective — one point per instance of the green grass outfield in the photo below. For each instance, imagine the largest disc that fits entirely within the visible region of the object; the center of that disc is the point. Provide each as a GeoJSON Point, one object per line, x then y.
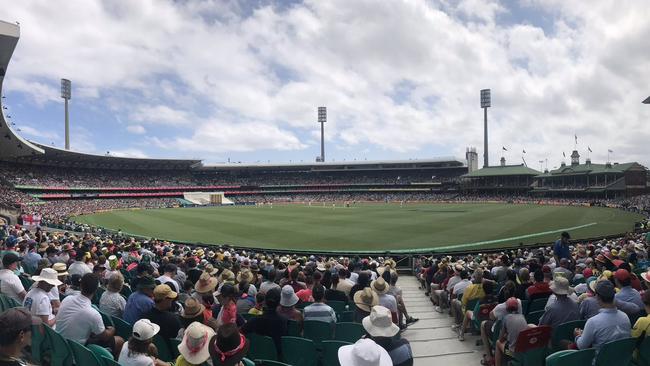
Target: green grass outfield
{"type": "Point", "coordinates": [369, 227]}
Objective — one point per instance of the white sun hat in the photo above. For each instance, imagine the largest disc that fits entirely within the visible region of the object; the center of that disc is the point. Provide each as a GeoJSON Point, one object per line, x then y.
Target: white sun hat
{"type": "Point", "coordinates": [380, 323]}
{"type": "Point", "coordinates": [48, 275]}
{"type": "Point", "coordinates": [364, 353]}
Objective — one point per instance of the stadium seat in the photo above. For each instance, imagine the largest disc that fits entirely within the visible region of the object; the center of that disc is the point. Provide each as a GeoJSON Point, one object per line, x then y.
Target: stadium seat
{"type": "Point", "coordinates": [317, 331]}
{"type": "Point", "coordinates": [39, 343]}
{"type": "Point", "coordinates": [571, 357]}
{"type": "Point", "coordinates": [345, 317]}
{"type": "Point", "coordinates": [98, 295]}
{"type": "Point", "coordinates": [27, 282]}
{"type": "Point", "coordinates": [122, 328]}
{"type": "Point", "coordinates": [173, 345]}
{"type": "Point", "coordinates": [109, 361]}
{"type": "Point", "coordinates": [8, 302]}
{"type": "Point", "coordinates": [99, 352]}
{"type": "Point", "coordinates": [302, 353]}
{"type": "Point", "coordinates": [349, 332]}
{"type": "Point", "coordinates": [292, 328]}
{"type": "Point", "coordinates": [644, 352]}
{"type": "Point", "coordinates": [83, 356]}
{"type": "Point", "coordinates": [261, 362]}
{"type": "Point", "coordinates": [164, 353]}
{"type": "Point", "coordinates": [497, 332]}
{"type": "Point", "coordinates": [126, 290]}
{"type": "Point", "coordinates": [481, 313]}
{"type": "Point", "coordinates": [534, 316]}
{"type": "Point", "coordinates": [303, 304]}
{"type": "Point", "coordinates": [331, 352]}
{"type": "Point", "coordinates": [524, 306]}
{"type": "Point", "coordinates": [564, 331]}
{"type": "Point", "coordinates": [60, 351]}
{"type": "Point", "coordinates": [338, 306]}
{"type": "Point", "coordinates": [537, 305]}
{"type": "Point", "coordinates": [261, 347]}
{"type": "Point", "coordinates": [247, 316]}
{"type": "Point", "coordinates": [616, 352]}
{"type": "Point", "coordinates": [247, 362]}
{"type": "Point", "coordinates": [530, 348]}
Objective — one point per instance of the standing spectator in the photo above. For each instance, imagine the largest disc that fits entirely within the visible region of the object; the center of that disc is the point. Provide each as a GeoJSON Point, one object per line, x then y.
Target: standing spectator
{"type": "Point", "coordinates": [609, 325]}
{"type": "Point", "coordinates": [561, 248]}
{"type": "Point", "coordinates": [563, 309]}
{"type": "Point", "coordinates": [161, 313]}
{"type": "Point", "coordinates": [382, 330]}
{"type": "Point", "coordinates": [79, 321]}
{"type": "Point", "coordinates": [111, 301]}
{"type": "Point", "coordinates": [141, 301]}
{"type": "Point", "coordinates": [37, 300]}
{"type": "Point", "coordinates": [319, 310]}
{"type": "Point", "coordinates": [10, 284]}
{"type": "Point", "coordinates": [15, 335]}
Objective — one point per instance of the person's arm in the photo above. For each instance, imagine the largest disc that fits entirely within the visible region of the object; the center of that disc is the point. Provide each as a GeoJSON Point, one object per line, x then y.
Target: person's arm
{"type": "Point", "coordinates": [584, 338]}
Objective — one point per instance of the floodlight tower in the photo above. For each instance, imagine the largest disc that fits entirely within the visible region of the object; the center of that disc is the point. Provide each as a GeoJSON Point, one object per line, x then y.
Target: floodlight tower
{"type": "Point", "coordinates": [485, 104]}
{"type": "Point", "coordinates": [66, 88]}
{"type": "Point", "coordinates": [322, 118]}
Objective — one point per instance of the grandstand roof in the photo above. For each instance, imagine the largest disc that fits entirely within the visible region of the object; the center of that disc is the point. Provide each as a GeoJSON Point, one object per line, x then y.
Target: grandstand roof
{"type": "Point", "coordinates": [507, 170]}
{"type": "Point", "coordinates": [582, 169]}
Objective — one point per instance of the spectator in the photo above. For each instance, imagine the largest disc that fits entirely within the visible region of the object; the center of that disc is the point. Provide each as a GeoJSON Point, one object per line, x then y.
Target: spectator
{"type": "Point", "coordinates": [563, 270]}
{"type": "Point", "coordinates": [609, 325]}
{"type": "Point", "coordinates": [10, 284]}
{"type": "Point", "coordinates": [140, 302]}
{"type": "Point", "coordinates": [37, 300]}
{"type": "Point", "coordinates": [230, 346]}
{"type": "Point", "coordinates": [334, 293]}
{"type": "Point", "coordinates": [589, 305]}
{"type": "Point", "coordinates": [365, 352]}
{"type": "Point", "coordinates": [245, 302]}
{"type": "Point", "coordinates": [626, 293]}
{"type": "Point", "coordinates": [288, 303]}
{"type": "Point", "coordinates": [15, 336]}
{"type": "Point", "coordinates": [513, 324]}
{"type": "Point", "coordinates": [319, 310]}
{"type": "Point", "coordinates": [345, 284]}
{"type": "Point", "coordinates": [269, 281]}
{"type": "Point", "coordinates": [139, 349]}
{"type": "Point", "coordinates": [227, 297]}
{"type": "Point", "coordinates": [561, 248]}
{"type": "Point", "coordinates": [161, 313]}
{"type": "Point", "coordinates": [270, 323]}
{"type": "Point", "coordinates": [79, 321]}
{"type": "Point", "coordinates": [167, 278]}
{"type": "Point", "coordinates": [195, 346]}
{"type": "Point", "coordinates": [259, 304]}
{"type": "Point", "coordinates": [79, 266]}
{"type": "Point", "coordinates": [364, 301]}
{"type": "Point", "coordinates": [642, 326]}
{"type": "Point", "coordinates": [388, 301]}
{"type": "Point", "coordinates": [539, 288]}
{"type": "Point", "coordinates": [563, 309]}
{"type": "Point", "coordinates": [112, 302]}
{"type": "Point", "coordinates": [192, 312]}
{"type": "Point", "coordinates": [382, 330]}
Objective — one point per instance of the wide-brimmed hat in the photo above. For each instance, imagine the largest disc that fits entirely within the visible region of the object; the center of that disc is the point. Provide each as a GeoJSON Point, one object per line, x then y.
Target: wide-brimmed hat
{"type": "Point", "coordinates": [288, 296]}
{"type": "Point", "coordinates": [60, 268]}
{"type": "Point", "coordinates": [195, 346]}
{"type": "Point", "coordinates": [365, 299]}
{"type": "Point", "coordinates": [560, 286]}
{"type": "Point", "coordinates": [230, 346]}
{"type": "Point", "coordinates": [245, 276]}
{"type": "Point", "coordinates": [379, 286]}
{"type": "Point", "coordinates": [364, 353]}
{"type": "Point", "coordinates": [48, 275]}
{"type": "Point", "coordinates": [380, 322]}
{"type": "Point", "coordinates": [210, 269]}
{"type": "Point", "coordinates": [192, 308]}
{"type": "Point", "coordinates": [646, 276]}
{"type": "Point", "coordinates": [206, 283]}
{"type": "Point", "coordinates": [226, 276]}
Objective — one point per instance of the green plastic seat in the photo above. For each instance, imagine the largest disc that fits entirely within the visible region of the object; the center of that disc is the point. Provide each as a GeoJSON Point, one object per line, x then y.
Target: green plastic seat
{"type": "Point", "coordinates": [481, 313]}
{"type": "Point", "coordinates": [109, 361]}
{"type": "Point", "coordinates": [302, 353]}
{"type": "Point", "coordinates": [173, 345]}
{"type": "Point", "coordinates": [60, 351]}
{"type": "Point", "coordinates": [292, 328]}
{"type": "Point", "coordinates": [122, 328]}
{"type": "Point", "coordinates": [338, 306]}
{"type": "Point", "coordinates": [345, 316]}
{"type": "Point", "coordinates": [534, 316]}
{"type": "Point", "coordinates": [564, 331]}
{"type": "Point", "coordinates": [349, 332]}
{"type": "Point", "coordinates": [39, 343]}
{"type": "Point", "coordinates": [261, 347]}
{"type": "Point", "coordinates": [571, 357]}
{"type": "Point", "coordinates": [164, 353]}
{"type": "Point", "coordinates": [317, 331]}
{"type": "Point", "coordinates": [617, 352]}
{"type": "Point", "coordinates": [261, 362]}
{"type": "Point", "coordinates": [644, 352]}
{"type": "Point", "coordinates": [27, 282]}
{"type": "Point", "coordinates": [247, 362]}
{"type": "Point", "coordinates": [99, 352]}
{"type": "Point", "coordinates": [98, 295]}
{"type": "Point", "coordinates": [83, 356]}
{"type": "Point", "coordinates": [331, 352]}
{"type": "Point", "coordinates": [537, 305]}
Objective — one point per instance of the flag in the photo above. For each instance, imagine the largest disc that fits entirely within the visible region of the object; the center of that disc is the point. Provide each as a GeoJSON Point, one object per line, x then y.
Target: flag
{"type": "Point", "coordinates": [609, 151]}
{"type": "Point", "coordinates": [524, 151]}
{"type": "Point", "coordinates": [504, 148]}
{"type": "Point", "coordinates": [588, 148]}
{"type": "Point", "coordinates": [563, 154]}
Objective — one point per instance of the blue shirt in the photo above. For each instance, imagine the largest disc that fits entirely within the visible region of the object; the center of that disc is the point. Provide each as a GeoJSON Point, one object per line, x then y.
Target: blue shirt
{"type": "Point", "coordinates": [609, 325]}
{"type": "Point", "coordinates": [561, 250]}
{"type": "Point", "coordinates": [136, 307]}
{"type": "Point", "coordinates": [629, 294]}
{"type": "Point", "coordinates": [30, 262]}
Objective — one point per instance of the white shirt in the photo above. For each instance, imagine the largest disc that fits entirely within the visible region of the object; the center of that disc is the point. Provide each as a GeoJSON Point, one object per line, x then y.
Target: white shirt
{"type": "Point", "coordinates": [389, 302]}
{"type": "Point", "coordinates": [460, 287]}
{"type": "Point", "coordinates": [135, 359]}
{"type": "Point", "coordinates": [10, 284]}
{"type": "Point", "coordinates": [77, 319]}
{"type": "Point", "coordinates": [38, 303]}
{"type": "Point", "coordinates": [79, 268]}
{"type": "Point", "coordinates": [166, 279]}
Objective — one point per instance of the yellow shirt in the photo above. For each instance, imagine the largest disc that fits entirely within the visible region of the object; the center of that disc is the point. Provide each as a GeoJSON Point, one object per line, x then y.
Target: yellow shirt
{"type": "Point", "coordinates": [473, 291]}
{"type": "Point", "coordinates": [641, 325]}
{"type": "Point", "coordinates": [256, 311]}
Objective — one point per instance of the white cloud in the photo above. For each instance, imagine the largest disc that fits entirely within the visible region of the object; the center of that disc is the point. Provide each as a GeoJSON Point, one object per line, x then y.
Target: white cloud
{"type": "Point", "coordinates": [136, 129]}
{"type": "Point", "coordinates": [45, 137]}
{"type": "Point", "coordinates": [159, 114]}
{"type": "Point", "coordinates": [128, 153]}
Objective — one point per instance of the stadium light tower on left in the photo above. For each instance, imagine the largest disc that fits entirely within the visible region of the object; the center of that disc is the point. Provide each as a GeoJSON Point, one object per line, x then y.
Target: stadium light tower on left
{"type": "Point", "coordinates": [66, 93]}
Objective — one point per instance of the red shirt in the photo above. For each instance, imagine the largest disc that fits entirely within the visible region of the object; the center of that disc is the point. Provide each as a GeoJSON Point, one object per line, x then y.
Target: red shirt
{"type": "Point", "coordinates": [539, 289]}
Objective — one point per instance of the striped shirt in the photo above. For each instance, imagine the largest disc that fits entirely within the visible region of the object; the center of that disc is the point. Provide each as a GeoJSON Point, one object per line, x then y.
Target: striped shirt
{"type": "Point", "coordinates": [321, 312]}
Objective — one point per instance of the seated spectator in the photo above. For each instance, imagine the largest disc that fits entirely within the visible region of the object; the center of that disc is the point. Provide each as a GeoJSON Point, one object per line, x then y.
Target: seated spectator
{"type": "Point", "coordinates": [626, 293]}
{"type": "Point", "coordinates": [195, 347]}
{"type": "Point", "coordinates": [382, 330]}
{"type": "Point", "coordinates": [513, 324]}
{"type": "Point", "coordinates": [474, 291]}
{"type": "Point", "coordinates": [365, 352]}
{"type": "Point", "coordinates": [139, 349]}
{"type": "Point", "coordinates": [287, 306]}
{"type": "Point", "coordinates": [167, 278]}
{"type": "Point", "coordinates": [79, 266]}
{"type": "Point", "coordinates": [227, 297]}
{"type": "Point", "coordinates": [270, 323]}
{"type": "Point", "coordinates": [10, 284]}
{"type": "Point", "coordinates": [37, 300]}
{"type": "Point", "coordinates": [397, 292]}
{"type": "Point", "coordinates": [111, 302]}
{"type": "Point", "coordinates": [364, 301]}
{"type": "Point", "coordinates": [230, 347]}
{"type": "Point", "coordinates": [563, 309]}
{"type": "Point", "coordinates": [589, 305]}
{"type": "Point", "coordinates": [15, 335]}
{"type": "Point", "coordinates": [334, 293]}
{"type": "Point", "coordinates": [204, 289]}
{"type": "Point", "coordinates": [245, 302]}
{"type": "Point", "coordinates": [363, 281]}
{"type": "Point", "coordinates": [388, 301]}
{"type": "Point", "coordinates": [642, 326]}
{"type": "Point", "coordinates": [319, 310]}
{"type": "Point", "coordinates": [608, 325]}
{"type": "Point", "coordinates": [79, 321]}
{"type": "Point", "coordinates": [487, 287]}
{"type": "Point", "coordinates": [192, 312]}
{"type": "Point", "coordinates": [141, 301]}
{"type": "Point", "coordinates": [161, 313]}
{"type": "Point", "coordinates": [539, 288]}
{"type": "Point", "coordinates": [488, 328]}
{"type": "Point", "coordinates": [269, 281]}
{"type": "Point", "coordinates": [259, 304]}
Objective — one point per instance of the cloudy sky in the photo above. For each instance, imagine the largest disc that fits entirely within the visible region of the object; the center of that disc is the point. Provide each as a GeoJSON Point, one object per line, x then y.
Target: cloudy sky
{"type": "Point", "coordinates": [241, 80]}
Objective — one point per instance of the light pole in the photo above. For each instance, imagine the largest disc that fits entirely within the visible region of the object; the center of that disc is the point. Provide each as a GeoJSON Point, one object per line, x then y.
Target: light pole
{"type": "Point", "coordinates": [66, 88]}
{"type": "Point", "coordinates": [485, 104]}
{"type": "Point", "coordinates": [322, 118]}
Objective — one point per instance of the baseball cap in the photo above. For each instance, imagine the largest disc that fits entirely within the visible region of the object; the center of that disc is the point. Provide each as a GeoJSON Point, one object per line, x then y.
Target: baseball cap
{"type": "Point", "coordinates": [162, 292]}
{"type": "Point", "coordinates": [512, 304]}
{"type": "Point", "coordinates": [144, 329]}
{"type": "Point", "coordinates": [587, 272]}
{"type": "Point", "coordinates": [9, 259]}
{"type": "Point", "coordinates": [605, 289]}
{"type": "Point", "coordinates": [622, 275]}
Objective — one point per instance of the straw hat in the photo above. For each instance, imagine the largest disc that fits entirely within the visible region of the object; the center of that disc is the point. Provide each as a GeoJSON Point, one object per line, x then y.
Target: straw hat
{"type": "Point", "coordinates": [560, 286]}
{"type": "Point", "coordinates": [379, 286]}
{"type": "Point", "coordinates": [195, 346]}
{"type": "Point", "coordinates": [61, 268]}
{"type": "Point", "coordinates": [245, 276]}
{"type": "Point", "coordinates": [192, 308]}
{"type": "Point", "coordinates": [210, 269]}
{"type": "Point", "coordinates": [206, 283]}
{"type": "Point", "coordinates": [365, 299]}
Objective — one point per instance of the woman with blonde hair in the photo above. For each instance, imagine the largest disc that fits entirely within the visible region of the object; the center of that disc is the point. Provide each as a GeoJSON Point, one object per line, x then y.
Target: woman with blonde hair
{"type": "Point", "coordinates": [112, 302]}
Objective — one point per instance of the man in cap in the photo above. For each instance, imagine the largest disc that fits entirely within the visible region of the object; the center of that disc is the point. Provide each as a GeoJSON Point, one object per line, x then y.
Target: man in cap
{"type": "Point", "coordinates": [140, 302]}
{"type": "Point", "coordinates": [623, 280]}
{"type": "Point", "coordinates": [563, 309]}
{"type": "Point", "coordinates": [161, 313]}
{"type": "Point", "coordinates": [37, 300]}
{"type": "Point", "coordinates": [15, 335]}
{"type": "Point", "coordinates": [10, 284]}
{"type": "Point", "coordinates": [608, 325]}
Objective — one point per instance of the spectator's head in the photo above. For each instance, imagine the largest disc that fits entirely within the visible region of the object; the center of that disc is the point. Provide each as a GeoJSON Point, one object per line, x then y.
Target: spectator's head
{"type": "Point", "coordinates": [163, 296]}
{"type": "Point", "coordinates": [272, 300]}
{"type": "Point", "coordinates": [538, 276]}
{"type": "Point", "coordinates": [379, 323]}
{"type": "Point", "coordinates": [192, 311]}
{"type": "Point", "coordinates": [512, 305]}
{"type": "Point", "coordinates": [393, 277]}
{"type": "Point", "coordinates": [170, 269]}
{"type": "Point", "coordinates": [47, 279]}
{"type": "Point", "coordinates": [524, 275]}
{"type": "Point", "coordinates": [560, 286]}
{"type": "Point", "coordinates": [477, 277]}
{"type": "Point", "coordinates": [363, 279]}
{"type": "Point", "coordinates": [565, 237]}
{"type": "Point", "coordinates": [143, 332]}
{"type": "Point", "coordinates": [115, 282]}
{"type": "Point", "coordinates": [289, 297]}
{"type": "Point", "coordinates": [10, 261]}
{"type": "Point", "coordinates": [564, 263]}
{"type": "Point", "coordinates": [488, 286]}
{"type": "Point", "coordinates": [605, 292]}
{"type": "Point", "coordinates": [364, 352]}
{"type": "Point", "coordinates": [15, 331]}
{"type": "Point", "coordinates": [622, 277]}
{"type": "Point", "coordinates": [230, 347]}
{"type": "Point", "coordinates": [259, 299]}
{"type": "Point", "coordinates": [318, 293]}
{"type": "Point", "coordinates": [89, 284]}
{"type": "Point", "coordinates": [226, 292]}
{"type": "Point", "coordinates": [146, 285]}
